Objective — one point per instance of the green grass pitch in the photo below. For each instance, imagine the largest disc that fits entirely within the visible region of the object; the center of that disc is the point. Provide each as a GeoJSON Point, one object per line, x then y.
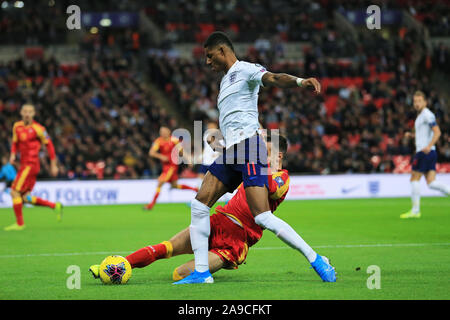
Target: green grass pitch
{"type": "Point", "coordinates": [413, 255]}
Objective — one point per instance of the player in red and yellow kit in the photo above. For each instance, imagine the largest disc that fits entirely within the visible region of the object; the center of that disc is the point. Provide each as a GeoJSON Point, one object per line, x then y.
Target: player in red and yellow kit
{"type": "Point", "coordinates": [167, 148]}
{"type": "Point", "coordinates": [233, 229]}
{"type": "Point", "coordinates": [27, 139]}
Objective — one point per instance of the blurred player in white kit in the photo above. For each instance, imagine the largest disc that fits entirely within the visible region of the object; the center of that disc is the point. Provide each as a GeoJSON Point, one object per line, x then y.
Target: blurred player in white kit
{"type": "Point", "coordinates": [426, 135]}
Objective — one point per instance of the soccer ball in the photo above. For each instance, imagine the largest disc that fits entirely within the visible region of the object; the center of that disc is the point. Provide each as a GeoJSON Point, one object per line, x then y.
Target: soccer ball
{"type": "Point", "coordinates": [115, 270]}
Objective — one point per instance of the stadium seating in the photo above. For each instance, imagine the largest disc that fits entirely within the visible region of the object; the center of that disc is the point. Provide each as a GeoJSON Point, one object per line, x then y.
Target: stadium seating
{"type": "Point", "coordinates": [356, 125]}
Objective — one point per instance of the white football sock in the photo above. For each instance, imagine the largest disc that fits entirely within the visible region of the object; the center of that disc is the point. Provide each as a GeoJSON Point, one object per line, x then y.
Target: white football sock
{"type": "Point", "coordinates": [285, 232]}
{"type": "Point", "coordinates": [415, 196]}
{"type": "Point", "coordinates": [440, 187]}
{"type": "Point", "coordinates": [199, 231]}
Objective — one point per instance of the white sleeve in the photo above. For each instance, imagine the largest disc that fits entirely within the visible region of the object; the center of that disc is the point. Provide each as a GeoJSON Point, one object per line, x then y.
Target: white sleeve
{"type": "Point", "coordinates": [255, 73]}
{"type": "Point", "coordinates": [431, 119]}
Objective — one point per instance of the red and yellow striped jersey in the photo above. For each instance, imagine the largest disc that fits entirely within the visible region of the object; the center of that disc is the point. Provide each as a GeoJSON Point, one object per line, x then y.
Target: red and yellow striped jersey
{"type": "Point", "coordinates": [165, 147]}
{"type": "Point", "coordinates": [27, 141]}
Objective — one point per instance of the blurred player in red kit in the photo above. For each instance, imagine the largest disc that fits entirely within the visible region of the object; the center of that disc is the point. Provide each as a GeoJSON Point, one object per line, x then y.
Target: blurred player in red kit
{"type": "Point", "coordinates": [27, 139]}
{"type": "Point", "coordinates": [166, 148]}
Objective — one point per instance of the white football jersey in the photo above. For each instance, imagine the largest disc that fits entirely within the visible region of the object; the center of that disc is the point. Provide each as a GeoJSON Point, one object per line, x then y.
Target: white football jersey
{"type": "Point", "coordinates": [238, 101]}
{"type": "Point", "coordinates": [423, 125]}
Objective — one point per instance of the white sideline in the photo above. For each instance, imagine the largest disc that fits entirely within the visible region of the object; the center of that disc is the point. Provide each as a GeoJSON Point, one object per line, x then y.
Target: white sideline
{"type": "Point", "coordinates": [375, 245]}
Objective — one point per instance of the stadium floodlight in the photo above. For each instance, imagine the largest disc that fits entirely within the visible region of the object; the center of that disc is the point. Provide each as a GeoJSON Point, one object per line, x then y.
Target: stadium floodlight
{"type": "Point", "coordinates": [19, 4]}
{"type": "Point", "coordinates": [105, 22]}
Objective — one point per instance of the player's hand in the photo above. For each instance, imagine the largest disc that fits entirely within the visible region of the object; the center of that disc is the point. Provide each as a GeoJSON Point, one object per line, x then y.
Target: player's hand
{"type": "Point", "coordinates": [312, 82]}
{"type": "Point", "coordinates": [426, 150]}
{"type": "Point", "coordinates": [54, 170]}
{"type": "Point", "coordinates": [163, 158]}
{"type": "Point", "coordinates": [12, 158]}
{"type": "Point", "coordinates": [408, 135]}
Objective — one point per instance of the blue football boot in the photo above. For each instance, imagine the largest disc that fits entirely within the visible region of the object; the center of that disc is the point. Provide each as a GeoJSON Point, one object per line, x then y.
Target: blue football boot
{"type": "Point", "coordinates": [324, 269]}
{"type": "Point", "coordinates": [197, 277]}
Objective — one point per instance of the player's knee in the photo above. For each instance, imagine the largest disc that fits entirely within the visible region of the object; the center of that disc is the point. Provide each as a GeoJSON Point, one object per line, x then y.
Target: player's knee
{"type": "Point", "coordinates": [203, 197]}
{"type": "Point", "coordinates": [201, 200]}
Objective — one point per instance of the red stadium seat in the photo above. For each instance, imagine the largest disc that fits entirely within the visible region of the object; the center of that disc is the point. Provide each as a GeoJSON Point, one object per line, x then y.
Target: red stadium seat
{"type": "Point", "coordinates": [273, 125]}
{"type": "Point", "coordinates": [331, 104]}
{"type": "Point", "coordinates": [443, 167]}
{"type": "Point", "coordinates": [402, 164]}
{"type": "Point", "coordinates": [379, 102]}
{"type": "Point", "coordinates": [330, 141]}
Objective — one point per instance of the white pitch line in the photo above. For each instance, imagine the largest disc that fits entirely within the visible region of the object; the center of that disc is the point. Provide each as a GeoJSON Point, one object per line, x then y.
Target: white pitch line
{"type": "Point", "coordinates": [375, 245]}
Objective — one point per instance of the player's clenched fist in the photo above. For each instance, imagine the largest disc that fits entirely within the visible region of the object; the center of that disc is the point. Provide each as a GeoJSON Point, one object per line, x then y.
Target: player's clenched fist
{"type": "Point", "coordinates": [312, 82]}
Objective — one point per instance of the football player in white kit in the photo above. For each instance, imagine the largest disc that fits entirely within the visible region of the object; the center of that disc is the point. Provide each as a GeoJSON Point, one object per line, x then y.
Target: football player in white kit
{"type": "Point", "coordinates": [426, 134]}
{"type": "Point", "coordinates": [244, 159]}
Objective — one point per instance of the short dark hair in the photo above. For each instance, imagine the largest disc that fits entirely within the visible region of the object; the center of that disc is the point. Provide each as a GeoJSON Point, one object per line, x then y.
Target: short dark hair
{"type": "Point", "coordinates": [217, 38]}
{"type": "Point", "coordinates": [282, 141]}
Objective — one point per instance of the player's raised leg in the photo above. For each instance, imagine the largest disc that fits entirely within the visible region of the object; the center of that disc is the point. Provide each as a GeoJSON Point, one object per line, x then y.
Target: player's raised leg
{"type": "Point", "coordinates": [176, 185]}
{"type": "Point", "coordinates": [36, 201]}
{"type": "Point", "coordinates": [287, 234]}
{"type": "Point", "coordinates": [178, 244]}
{"type": "Point", "coordinates": [256, 191]}
{"type": "Point", "coordinates": [436, 185]}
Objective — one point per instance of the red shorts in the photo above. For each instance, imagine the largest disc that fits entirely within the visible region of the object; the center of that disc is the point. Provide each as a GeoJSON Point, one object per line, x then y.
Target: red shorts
{"type": "Point", "coordinates": [228, 241]}
{"type": "Point", "coordinates": [169, 173]}
{"type": "Point", "coordinates": [26, 178]}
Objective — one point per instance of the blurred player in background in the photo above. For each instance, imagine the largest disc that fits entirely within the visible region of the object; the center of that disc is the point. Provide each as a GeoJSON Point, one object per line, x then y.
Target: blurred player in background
{"type": "Point", "coordinates": [233, 230]}
{"type": "Point", "coordinates": [426, 134]}
{"type": "Point", "coordinates": [7, 172]}
{"type": "Point", "coordinates": [27, 139]}
{"type": "Point", "coordinates": [165, 148]}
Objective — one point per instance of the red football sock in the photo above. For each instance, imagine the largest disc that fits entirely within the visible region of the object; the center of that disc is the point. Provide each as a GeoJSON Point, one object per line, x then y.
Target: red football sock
{"type": "Point", "coordinates": [41, 202]}
{"type": "Point", "coordinates": [151, 204]}
{"type": "Point", "coordinates": [186, 187]}
{"type": "Point", "coordinates": [147, 255]}
{"type": "Point", "coordinates": [17, 206]}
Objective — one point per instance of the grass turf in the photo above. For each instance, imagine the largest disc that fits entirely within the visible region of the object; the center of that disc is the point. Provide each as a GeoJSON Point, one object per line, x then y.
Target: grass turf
{"type": "Point", "coordinates": [413, 255]}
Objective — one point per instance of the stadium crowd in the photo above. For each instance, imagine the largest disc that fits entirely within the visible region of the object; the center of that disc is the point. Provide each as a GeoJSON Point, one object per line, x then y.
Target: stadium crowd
{"type": "Point", "coordinates": [102, 117]}
{"type": "Point", "coordinates": [357, 125]}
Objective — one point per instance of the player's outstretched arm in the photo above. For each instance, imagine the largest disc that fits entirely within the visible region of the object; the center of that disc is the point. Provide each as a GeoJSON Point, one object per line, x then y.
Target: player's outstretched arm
{"type": "Point", "coordinates": [52, 155]}
{"type": "Point", "coordinates": [283, 80]}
